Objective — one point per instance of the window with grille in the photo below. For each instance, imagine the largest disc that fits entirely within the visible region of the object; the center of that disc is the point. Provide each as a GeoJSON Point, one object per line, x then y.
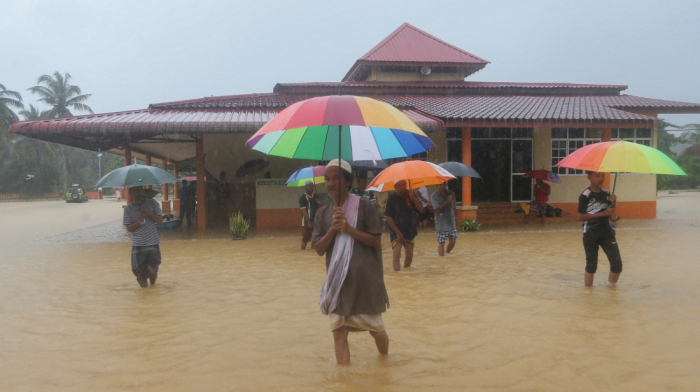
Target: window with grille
{"type": "Point", "coordinates": [567, 140]}
{"type": "Point", "coordinates": [635, 135]}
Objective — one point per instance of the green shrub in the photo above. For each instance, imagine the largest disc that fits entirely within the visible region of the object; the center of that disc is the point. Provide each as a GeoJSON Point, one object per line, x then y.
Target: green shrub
{"type": "Point", "coordinates": [239, 225]}
{"type": "Point", "coordinates": [469, 225]}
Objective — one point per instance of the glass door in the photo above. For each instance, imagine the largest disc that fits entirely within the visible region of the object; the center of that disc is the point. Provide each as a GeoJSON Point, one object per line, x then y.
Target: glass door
{"type": "Point", "coordinates": [521, 163]}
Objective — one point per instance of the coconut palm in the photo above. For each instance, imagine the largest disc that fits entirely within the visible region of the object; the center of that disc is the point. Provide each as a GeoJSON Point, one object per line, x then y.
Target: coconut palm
{"type": "Point", "coordinates": [56, 92]}
{"type": "Point", "coordinates": [34, 149]}
{"type": "Point", "coordinates": [9, 99]}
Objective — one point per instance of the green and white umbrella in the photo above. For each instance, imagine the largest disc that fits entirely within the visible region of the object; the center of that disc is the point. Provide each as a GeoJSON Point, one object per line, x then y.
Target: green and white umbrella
{"type": "Point", "coordinates": [135, 175]}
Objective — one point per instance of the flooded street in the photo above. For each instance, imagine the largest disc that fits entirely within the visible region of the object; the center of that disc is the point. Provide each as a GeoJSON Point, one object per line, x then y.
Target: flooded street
{"type": "Point", "coordinates": [506, 311]}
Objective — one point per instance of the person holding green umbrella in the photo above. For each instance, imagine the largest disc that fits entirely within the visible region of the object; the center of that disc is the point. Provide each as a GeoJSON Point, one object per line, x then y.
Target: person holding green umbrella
{"type": "Point", "coordinates": [141, 216]}
{"type": "Point", "coordinates": [140, 219]}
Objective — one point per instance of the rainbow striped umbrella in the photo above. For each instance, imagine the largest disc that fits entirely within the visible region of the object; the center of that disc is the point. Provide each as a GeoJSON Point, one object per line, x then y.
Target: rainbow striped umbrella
{"type": "Point", "coordinates": [621, 157]}
{"type": "Point", "coordinates": [357, 128]}
{"type": "Point", "coordinates": [312, 173]}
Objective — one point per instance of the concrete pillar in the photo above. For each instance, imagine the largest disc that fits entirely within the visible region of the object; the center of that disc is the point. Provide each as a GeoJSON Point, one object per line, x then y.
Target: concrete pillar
{"type": "Point", "coordinates": [127, 162]}
{"type": "Point", "coordinates": [176, 192]}
{"type": "Point", "coordinates": [148, 163]}
{"type": "Point", "coordinates": [467, 160]}
{"type": "Point", "coordinates": [201, 186]}
{"type": "Point", "coordinates": [466, 210]}
{"type": "Point", "coordinates": [165, 186]}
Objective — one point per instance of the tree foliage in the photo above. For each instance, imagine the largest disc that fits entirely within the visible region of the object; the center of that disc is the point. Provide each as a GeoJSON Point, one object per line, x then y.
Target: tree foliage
{"type": "Point", "coordinates": [61, 96]}
{"type": "Point", "coordinates": [29, 177]}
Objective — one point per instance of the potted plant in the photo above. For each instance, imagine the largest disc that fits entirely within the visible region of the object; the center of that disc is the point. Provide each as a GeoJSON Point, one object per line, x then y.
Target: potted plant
{"type": "Point", "coordinates": [467, 224]}
{"type": "Point", "coordinates": [239, 226]}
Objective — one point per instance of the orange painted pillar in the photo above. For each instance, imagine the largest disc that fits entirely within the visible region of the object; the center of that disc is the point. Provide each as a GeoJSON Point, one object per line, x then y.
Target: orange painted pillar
{"type": "Point", "coordinates": [176, 192]}
{"type": "Point", "coordinates": [606, 136]}
{"type": "Point", "coordinates": [467, 160]}
{"type": "Point", "coordinates": [201, 186]}
{"type": "Point", "coordinates": [148, 163]}
{"type": "Point", "coordinates": [127, 162]}
{"type": "Point", "coordinates": [166, 202]}
{"type": "Point", "coordinates": [165, 186]}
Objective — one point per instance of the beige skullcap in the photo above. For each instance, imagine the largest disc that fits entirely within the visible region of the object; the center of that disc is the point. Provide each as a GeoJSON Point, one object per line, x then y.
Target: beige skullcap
{"type": "Point", "coordinates": [343, 165]}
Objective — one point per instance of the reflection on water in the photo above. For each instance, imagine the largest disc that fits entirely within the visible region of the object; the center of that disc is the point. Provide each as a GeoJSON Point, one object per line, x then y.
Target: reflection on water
{"type": "Point", "coordinates": [505, 311]}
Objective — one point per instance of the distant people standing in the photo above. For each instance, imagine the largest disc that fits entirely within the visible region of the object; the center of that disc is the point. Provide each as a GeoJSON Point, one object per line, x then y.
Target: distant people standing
{"type": "Point", "coordinates": [140, 218]}
{"type": "Point", "coordinates": [596, 208]}
{"type": "Point", "coordinates": [539, 205]}
{"type": "Point", "coordinates": [401, 209]}
{"type": "Point", "coordinates": [222, 193]}
{"type": "Point", "coordinates": [443, 201]}
{"type": "Point", "coordinates": [308, 203]}
{"type": "Point", "coordinates": [185, 194]}
{"type": "Point", "coordinates": [361, 186]}
{"type": "Point", "coordinates": [424, 216]}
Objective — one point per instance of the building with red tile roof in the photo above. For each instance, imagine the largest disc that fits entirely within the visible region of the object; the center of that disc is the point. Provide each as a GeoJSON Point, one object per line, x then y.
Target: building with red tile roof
{"type": "Point", "coordinates": [501, 129]}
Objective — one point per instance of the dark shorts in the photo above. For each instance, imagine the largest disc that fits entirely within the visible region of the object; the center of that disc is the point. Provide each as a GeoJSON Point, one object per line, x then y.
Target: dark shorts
{"type": "Point", "coordinates": [141, 258]}
{"type": "Point", "coordinates": [604, 239]}
{"type": "Point", "coordinates": [539, 208]}
{"type": "Point", "coordinates": [306, 234]}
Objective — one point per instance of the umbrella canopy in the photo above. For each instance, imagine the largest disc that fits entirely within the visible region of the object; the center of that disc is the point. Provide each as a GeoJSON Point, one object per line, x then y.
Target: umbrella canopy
{"type": "Point", "coordinates": [544, 175]}
{"type": "Point", "coordinates": [252, 166]}
{"type": "Point", "coordinates": [369, 164]}
{"type": "Point", "coordinates": [135, 175]}
{"type": "Point", "coordinates": [311, 173]}
{"type": "Point", "coordinates": [459, 169]}
{"type": "Point", "coordinates": [416, 174]}
{"type": "Point", "coordinates": [621, 157]}
{"type": "Point", "coordinates": [368, 129]}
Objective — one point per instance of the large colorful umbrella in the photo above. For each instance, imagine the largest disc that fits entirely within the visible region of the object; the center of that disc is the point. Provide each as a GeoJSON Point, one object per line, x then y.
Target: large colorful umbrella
{"type": "Point", "coordinates": [311, 173]}
{"type": "Point", "coordinates": [340, 126]}
{"type": "Point", "coordinates": [544, 175]}
{"type": "Point", "coordinates": [621, 157]}
{"type": "Point", "coordinates": [416, 174]}
{"type": "Point", "coordinates": [370, 130]}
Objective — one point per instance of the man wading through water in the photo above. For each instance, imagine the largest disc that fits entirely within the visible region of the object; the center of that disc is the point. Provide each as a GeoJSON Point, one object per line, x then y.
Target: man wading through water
{"type": "Point", "coordinates": [140, 218]}
{"type": "Point", "coordinates": [354, 295]}
{"type": "Point", "coordinates": [596, 207]}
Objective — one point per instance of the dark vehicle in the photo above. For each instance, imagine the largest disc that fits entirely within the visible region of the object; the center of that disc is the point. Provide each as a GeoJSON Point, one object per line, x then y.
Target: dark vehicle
{"type": "Point", "coordinates": [76, 195]}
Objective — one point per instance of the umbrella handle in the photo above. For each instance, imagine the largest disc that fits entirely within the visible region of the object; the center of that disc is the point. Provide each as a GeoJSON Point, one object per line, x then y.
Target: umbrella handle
{"type": "Point", "coordinates": [615, 183]}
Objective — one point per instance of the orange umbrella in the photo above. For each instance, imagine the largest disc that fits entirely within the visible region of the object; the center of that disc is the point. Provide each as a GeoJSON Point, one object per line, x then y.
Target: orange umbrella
{"type": "Point", "coordinates": [416, 174]}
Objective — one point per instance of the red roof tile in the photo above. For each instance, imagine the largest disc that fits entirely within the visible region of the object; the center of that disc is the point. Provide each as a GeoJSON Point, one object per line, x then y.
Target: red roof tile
{"type": "Point", "coordinates": [459, 87]}
{"type": "Point", "coordinates": [410, 44]}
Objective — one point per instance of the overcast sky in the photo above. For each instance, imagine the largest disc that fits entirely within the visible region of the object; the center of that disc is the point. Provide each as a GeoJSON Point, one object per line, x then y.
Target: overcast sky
{"type": "Point", "coordinates": [129, 54]}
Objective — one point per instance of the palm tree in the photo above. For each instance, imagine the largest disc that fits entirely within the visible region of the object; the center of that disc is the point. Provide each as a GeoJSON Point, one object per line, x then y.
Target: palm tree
{"type": "Point", "coordinates": [56, 92]}
{"type": "Point", "coordinates": [8, 99]}
{"type": "Point", "coordinates": [34, 149]}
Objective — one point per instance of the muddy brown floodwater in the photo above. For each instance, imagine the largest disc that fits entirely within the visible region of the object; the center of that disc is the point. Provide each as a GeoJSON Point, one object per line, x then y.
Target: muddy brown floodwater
{"type": "Point", "coordinates": [506, 311]}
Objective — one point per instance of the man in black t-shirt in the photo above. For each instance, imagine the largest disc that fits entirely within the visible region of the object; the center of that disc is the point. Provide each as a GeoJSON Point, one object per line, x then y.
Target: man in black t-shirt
{"type": "Point", "coordinates": [596, 208]}
{"type": "Point", "coordinates": [401, 210]}
{"type": "Point", "coordinates": [308, 202]}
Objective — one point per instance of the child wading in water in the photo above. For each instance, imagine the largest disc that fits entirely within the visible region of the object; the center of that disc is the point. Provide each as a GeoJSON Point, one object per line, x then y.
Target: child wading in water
{"type": "Point", "coordinates": [596, 207]}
